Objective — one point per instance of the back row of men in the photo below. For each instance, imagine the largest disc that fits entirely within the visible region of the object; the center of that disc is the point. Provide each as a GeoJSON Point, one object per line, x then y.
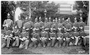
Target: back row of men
{"type": "Point", "coordinates": [23, 32]}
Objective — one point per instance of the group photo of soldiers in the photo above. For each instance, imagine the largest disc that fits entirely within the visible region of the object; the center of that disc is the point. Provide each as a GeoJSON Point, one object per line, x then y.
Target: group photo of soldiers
{"type": "Point", "coordinates": [39, 31]}
{"type": "Point", "coordinates": [63, 32]}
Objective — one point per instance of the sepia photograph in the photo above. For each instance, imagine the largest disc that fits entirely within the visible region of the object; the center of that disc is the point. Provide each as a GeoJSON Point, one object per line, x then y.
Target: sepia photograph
{"type": "Point", "coordinates": [45, 27]}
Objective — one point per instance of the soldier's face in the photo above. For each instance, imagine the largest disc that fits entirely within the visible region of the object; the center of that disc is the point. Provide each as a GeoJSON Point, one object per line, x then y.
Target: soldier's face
{"type": "Point", "coordinates": [8, 17]}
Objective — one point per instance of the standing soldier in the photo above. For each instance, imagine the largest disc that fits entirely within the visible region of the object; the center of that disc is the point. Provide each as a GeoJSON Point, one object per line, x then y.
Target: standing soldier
{"type": "Point", "coordinates": [46, 25]}
{"type": "Point", "coordinates": [81, 24]}
{"type": "Point", "coordinates": [19, 23]}
{"type": "Point", "coordinates": [24, 39]}
{"type": "Point", "coordinates": [8, 23]}
{"type": "Point", "coordinates": [41, 23]}
{"type": "Point", "coordinates": [28, 26]}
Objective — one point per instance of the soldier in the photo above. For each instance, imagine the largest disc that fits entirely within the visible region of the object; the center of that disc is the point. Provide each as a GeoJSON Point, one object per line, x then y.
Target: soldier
{"type": "Point", "coordinates": [53, 37]}
{"type": "Point", "coordinates": [60, 34]}
{"type": "Point", "coordinates": [24, 39]}
{"type": "Point", "coordinates": [76, 33]}
{"type": "Point", "coordinates": [16, 36]}
{"type": "Point", "coordinates": [3, 40]}
{"type": "Point", "coordinates": [81, 31]}
{"type": "Point", "coordinates": [44, 37]}
{"type": "Point", "coordinates": [37, 26]}
{"type": "Point", "coordinates": [29, 26]}
{"type": "Point", "coordinates": [46, 25]}
{"type": "Point", "coordinates": [34, 39]}
{"type": "Point", "coordinates": [8, 23]}
{"type": "Point", "coordinates": [8, 37]}
{"type": "Point", "coordinates": [41, 23]}
{"type": "Point", "coordinates": [36, 30]}
{"type": "Point", "coordinates": [19, 23]}
{"type": "Point", "coordinates": [81, 24]}
{"type": "Point", "coordinates": [53, 34]}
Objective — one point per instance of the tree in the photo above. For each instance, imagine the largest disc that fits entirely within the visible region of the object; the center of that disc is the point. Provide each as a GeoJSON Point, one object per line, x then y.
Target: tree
{"type": "Point", "coordinates": [84, 6]}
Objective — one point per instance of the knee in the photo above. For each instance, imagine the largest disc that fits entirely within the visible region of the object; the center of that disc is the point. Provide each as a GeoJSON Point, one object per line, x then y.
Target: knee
{"type": "Point", "coordinates": [8, 39]}
{"type": "Point", "coordinates": [27, 41]}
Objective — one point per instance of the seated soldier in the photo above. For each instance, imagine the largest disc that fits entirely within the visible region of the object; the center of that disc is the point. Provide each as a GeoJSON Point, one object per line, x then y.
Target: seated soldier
{"type": "Point", "coordinates": [16, 36]}
{"type": "Point", "coordinates": [24, 39]}
{"type": "Point", "coordinates": [76, 35]}
{"type": "Point", "coordinates": [44, 37]}
{"type": "Point", "coordinates": [72, 38]}
{"type": "Point", "coordinates": [3, 40]}
{"type": "Point", "coordinates": [67, 41]}
{"type": "Point", "coordinates": [8, 37]}
{"type": "Point", "coordinates": [35, 38]}
{"type": "Point", "coordinates": [52, 37]}
{"type": "Point", "coordinates": [59, 38]}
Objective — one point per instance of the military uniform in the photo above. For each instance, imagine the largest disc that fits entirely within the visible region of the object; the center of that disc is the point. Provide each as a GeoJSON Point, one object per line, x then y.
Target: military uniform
{"type": "Point", "coordinates": [53, 35]}
{"type": "Point", "coordinates": [60, 34]}
{"type": "Point", "coordinates": [44, 37]}
{"type": "Point", "coordinates": [35, 38]}
{"type": "Point", "coordinates": [8, 24]}
{"type": "Point", "coordinates": [60, 38]}
{"type": "Point", "coordinates": [8, 37]}
{"type": "Point", "coordinates": [24, 39]}
{"type": "Point", "coordinates": [16, 33]}
{"type": "Point", "coordinates": [81, 31]}
{"type": "Point", "coordinates": [19, 24]}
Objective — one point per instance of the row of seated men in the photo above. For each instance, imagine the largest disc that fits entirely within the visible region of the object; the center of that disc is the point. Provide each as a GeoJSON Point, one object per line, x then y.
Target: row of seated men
{"type": "Point", "coordinates": [22, 34]}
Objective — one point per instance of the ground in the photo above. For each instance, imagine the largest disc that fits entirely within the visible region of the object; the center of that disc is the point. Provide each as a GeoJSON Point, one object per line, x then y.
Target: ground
{"type": "Point", "coordinates": [47, 50]}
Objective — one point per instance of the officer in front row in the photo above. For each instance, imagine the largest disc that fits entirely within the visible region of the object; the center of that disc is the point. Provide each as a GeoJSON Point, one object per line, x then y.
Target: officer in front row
{"type": "Point", "coordinates": [16, 35]}
{"type": "Point", "coordinates": [35, 38]}
{"type": "Point", "coordinates": [24, 38]}
{"type": "Point", "coordinates": [8, 38]}
{"type": "Point", "coordinates": [44, 37]}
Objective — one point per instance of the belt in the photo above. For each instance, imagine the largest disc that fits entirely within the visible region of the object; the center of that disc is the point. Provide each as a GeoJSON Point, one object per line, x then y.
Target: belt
{"type": "Point", "coordinates": [33, 39]}
{"type": "Point", "coordinates": [24, 38]}
{"type": "Point", "coordinates": [59, 38]}
{"type": "Point", "coordinates": [52, 37]}
{"type": "Point", "coordinates": [43, 38]}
